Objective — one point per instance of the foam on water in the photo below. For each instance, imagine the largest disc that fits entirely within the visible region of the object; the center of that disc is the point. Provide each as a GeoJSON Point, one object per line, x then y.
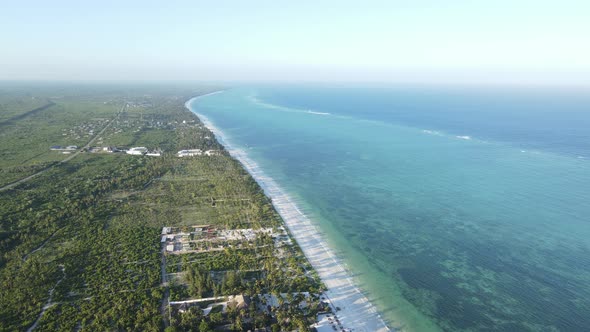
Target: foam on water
{"type": "Point", "coordinates": [432, 132]}
{"type": "Point", "coordinates": [254, 99]}
{"type": "Point", "coordinates": [318, 113]}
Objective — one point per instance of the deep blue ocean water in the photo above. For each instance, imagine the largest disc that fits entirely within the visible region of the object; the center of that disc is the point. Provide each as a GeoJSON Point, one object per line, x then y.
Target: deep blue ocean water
{"type": "Point", "coordinates": [456, 208]}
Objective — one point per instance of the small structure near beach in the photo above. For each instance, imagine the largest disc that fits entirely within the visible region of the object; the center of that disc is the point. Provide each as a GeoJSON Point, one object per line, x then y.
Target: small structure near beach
{"type": "Point", "coordinates": [207, 238]}
{"type": "Point", "coordinates": [63, 148]}
{"type": "Point", "coordinates": [197, 152]}
{"type": "Point", "coordinates": [239, 301]}
{"type": "Point", "coordinates": [143, 151]}
{"type": "Point", "coordinates": [140, 150]}
{"type": "Point", "coordinates": [190, 153]}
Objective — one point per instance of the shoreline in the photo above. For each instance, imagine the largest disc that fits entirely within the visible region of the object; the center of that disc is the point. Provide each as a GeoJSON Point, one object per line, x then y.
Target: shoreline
{"type": "Point", "coordinates": [356, 312]}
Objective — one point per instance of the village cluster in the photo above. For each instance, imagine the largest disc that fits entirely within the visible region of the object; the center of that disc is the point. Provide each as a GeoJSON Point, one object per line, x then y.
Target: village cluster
{"type": "Point", "coordinates": [136, 151]}
{"type": "Point", "coordinates": [209, 238]}
{"type": "Point", "coordinates": [64, 149]}
{"type": "Point", "coordinates": [85, 130]}
{"type": "Point", "coordinates": [327, 322]}
{"type": "Point", "coordinates": [204, 238]}
{"type": "Point", "coordinates": [121, 123]}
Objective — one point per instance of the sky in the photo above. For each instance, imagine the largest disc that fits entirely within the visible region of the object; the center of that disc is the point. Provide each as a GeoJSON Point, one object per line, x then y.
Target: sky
{"type": "Point", "coordinates": [517, 41]}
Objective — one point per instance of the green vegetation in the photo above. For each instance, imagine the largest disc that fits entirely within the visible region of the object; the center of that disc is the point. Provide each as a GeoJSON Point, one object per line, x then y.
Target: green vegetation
{"type": "Point", "coordinates": [82, 239]}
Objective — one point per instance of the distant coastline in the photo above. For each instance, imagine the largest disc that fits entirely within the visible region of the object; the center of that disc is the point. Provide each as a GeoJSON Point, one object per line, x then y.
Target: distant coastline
{"type": "Point", "coordinates": [355, 310]}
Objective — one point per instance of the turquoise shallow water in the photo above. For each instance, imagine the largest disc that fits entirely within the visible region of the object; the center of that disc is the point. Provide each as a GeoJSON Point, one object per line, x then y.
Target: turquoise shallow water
{"type": "Point", "coordinates": [461, 210]}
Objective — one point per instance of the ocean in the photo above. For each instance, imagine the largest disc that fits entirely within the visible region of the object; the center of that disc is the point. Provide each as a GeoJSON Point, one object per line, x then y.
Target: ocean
{"type": "Point", "coordinates": [455, 208]}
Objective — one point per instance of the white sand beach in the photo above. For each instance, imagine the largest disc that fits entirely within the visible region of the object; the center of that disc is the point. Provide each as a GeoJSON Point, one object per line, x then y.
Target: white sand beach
{"type": "Point", "coordinates": [356, 312]}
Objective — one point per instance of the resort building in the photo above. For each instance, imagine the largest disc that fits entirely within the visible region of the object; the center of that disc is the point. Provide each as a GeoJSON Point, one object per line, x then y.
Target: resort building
{"type": "Point", "coordinates": [190, 153]}
{"type": "Point", "coordinates": [64, 148]}
{"type": "Point", "coordinates": [140, 150]}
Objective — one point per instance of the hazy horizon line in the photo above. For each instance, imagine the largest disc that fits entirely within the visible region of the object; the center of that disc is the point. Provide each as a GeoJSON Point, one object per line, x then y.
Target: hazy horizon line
{"type": "Point", "coordinates": [234, 82]}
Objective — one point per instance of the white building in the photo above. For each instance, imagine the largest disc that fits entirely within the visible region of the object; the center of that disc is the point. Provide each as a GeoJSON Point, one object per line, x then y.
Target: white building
{"type": "Point", "coordinates": [140, 150]}
{"type": "Point", "coordinates": [189, 153]}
